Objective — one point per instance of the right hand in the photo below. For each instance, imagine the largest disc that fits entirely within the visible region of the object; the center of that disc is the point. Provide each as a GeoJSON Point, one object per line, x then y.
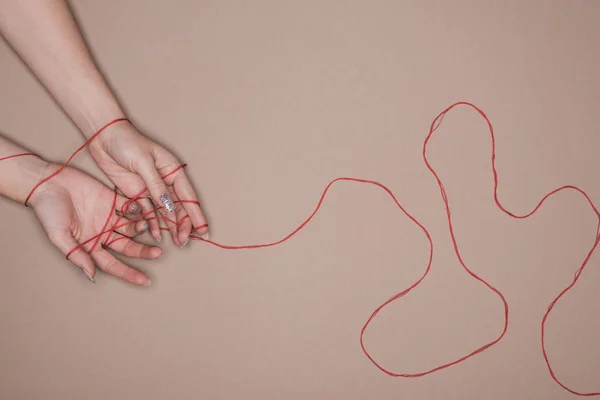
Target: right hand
{"type": "Point", "coordinates": [133, 163]}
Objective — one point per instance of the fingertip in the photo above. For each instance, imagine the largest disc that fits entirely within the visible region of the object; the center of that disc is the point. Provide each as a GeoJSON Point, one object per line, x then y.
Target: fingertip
{"type": "Point", "coordinates": [156, 252]}
{"type": "Point", "coordinates": [134, 208]}
{"type": "Point", "coordinates": [176, 241]}
{"type": "Point", "coordinates": [88, 275]}
{"type": "Point", "coordinates": [203, 232]}
{"type": "Point", "coordinates": [184, 238]}
{"type": "Point", "coordinates": [140, 279]}
{"type": "Point", "coordinates": [142, 226]}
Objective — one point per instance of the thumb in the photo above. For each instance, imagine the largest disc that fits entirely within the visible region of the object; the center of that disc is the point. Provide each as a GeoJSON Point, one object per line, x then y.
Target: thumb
{"type": "Point", "coordinates": [64, 241]}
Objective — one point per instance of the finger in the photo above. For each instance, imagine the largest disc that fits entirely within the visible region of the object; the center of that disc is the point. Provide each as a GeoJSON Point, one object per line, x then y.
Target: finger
{"type": "Point", "coordinates": [150, 216]}
{"type": "Point", "coordinates": [130, 248]}
{"type": "Point", "coordinates": [132, 210]}
{"type": "Point", "coordinates": [131, 228]}
{"type": "Point", "coordinates": [184, 225]}
{"type": "Point", "coordinates": [184, 190]}
{"type": "Point", "coordinates": [170, 219]}
{"type": "Point", "coordinates": [156, 186]}
{"type": "Point", "coordinates": [111, 265]}
{"type": "Point", "coordinates": [64, 241]}
{"type": "Point", "coordinates": [128, 206]}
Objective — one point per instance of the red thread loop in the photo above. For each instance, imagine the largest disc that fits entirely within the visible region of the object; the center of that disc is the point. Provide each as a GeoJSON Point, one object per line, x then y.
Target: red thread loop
{"type": "Point", "coordinates": [434, 126]}
{"type": "Point", "coordinates": [19, 155]}
{"type": "Point", "coordinates": [83, 146]}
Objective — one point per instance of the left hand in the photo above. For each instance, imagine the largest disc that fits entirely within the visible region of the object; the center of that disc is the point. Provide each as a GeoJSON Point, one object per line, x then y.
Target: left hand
{"type": "Point", "coordinates": [73, 208]}
{"type": "Point", "coordinates": [133, 162]}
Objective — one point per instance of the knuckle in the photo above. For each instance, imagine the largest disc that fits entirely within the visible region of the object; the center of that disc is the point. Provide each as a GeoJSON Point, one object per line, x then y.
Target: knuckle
{"type": "Point", "coordinates": [129, 246]}
{"type": "Point", "coordinates": [156, 183]}
{"type": "Point", "coordinates": [110, 266]}
{"type": "Point", "coordinates": [178, 207]}
{"type": "Point", "coordinates": [132, 229]}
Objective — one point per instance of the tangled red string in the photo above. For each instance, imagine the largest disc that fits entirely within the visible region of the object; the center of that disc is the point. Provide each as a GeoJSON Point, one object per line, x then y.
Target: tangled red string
{"type": "Point", "coordinates": [106, 230]}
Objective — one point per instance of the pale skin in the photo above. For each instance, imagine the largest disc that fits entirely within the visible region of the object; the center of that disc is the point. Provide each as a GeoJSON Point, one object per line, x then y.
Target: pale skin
{"type": "Point", "coordinates": [72, 207]}
{"type": "Point", "coordinates": [44, 35]}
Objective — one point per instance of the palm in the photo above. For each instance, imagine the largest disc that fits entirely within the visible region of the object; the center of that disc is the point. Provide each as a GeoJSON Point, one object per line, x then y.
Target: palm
{"type": "Point", "coordinates": [74, 208]}
{"type": "Point", "coordinates": [82, 208]}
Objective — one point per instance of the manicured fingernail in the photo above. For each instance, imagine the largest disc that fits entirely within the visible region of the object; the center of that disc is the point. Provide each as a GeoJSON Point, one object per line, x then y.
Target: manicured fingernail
{"type": "Point", "coordinates": [87, 275]}
{"type": "Point", "coordinates": [165, 199]}
{"type": "Point", "coordinates": [148, 283]}
{"type": "Point", "coordinates": [134, 208]}
{"type": "Point", "coordinates": [205, 235]}
{"type": "Point", "coordinates": [144, 227]}
{"type": "Point", "coordinates": [186, 242]}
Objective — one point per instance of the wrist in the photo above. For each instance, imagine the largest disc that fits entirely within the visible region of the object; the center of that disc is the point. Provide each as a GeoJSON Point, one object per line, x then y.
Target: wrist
{"type": "Point", "coordinates": [93, 114]}
{"type": "Point", "coordinates": [20, 175]}
{"type": "Point", "coordinates": [44, 171]}
{"type": "Point", "coordinates": [103, 136]}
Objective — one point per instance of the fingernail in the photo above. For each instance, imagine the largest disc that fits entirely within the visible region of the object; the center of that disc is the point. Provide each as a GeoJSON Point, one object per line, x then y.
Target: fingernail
{"type": "Point", "coordinates": [148, 283]}
{"type": "Point", "coordinates": [134, 208]}
{"type": "Point", "coordinates": [87, 275]}
{"type": "Point", "coordinates": [186, 242]}
{"type": "Point", "coordinates": [165, 199]}
{"type": "Point", "coordinates": [144, 228]}
{"type": "Point", "coordinates": [205, 235]}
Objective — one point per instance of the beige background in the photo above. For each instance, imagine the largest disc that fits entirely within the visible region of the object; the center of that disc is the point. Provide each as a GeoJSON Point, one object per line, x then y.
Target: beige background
{"type": "Point", "coordinates": [267, 101]}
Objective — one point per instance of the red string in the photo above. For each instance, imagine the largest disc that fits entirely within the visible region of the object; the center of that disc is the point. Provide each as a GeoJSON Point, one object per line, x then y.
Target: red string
{"type": "Point", "coordinates": [19, 155]}
{"type": "Point", "coordinates": [73, 156]}
{"type": "Point", "coordinates": [434, 126]}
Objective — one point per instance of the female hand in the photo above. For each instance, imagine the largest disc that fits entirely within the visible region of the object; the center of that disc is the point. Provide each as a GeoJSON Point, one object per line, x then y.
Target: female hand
{"type": "Point", "coordinates": [133, 163]}
{"type": "Point", "coordinates": [73, 207]}
{"type": "Point", "coordinates": [44, 34]}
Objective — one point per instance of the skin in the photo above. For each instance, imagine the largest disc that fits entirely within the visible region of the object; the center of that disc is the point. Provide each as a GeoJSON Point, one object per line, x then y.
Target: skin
{"type": "Point", "coordinates": [44, 35]}
{"type": "Point", "coordinates": [72, 207]}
